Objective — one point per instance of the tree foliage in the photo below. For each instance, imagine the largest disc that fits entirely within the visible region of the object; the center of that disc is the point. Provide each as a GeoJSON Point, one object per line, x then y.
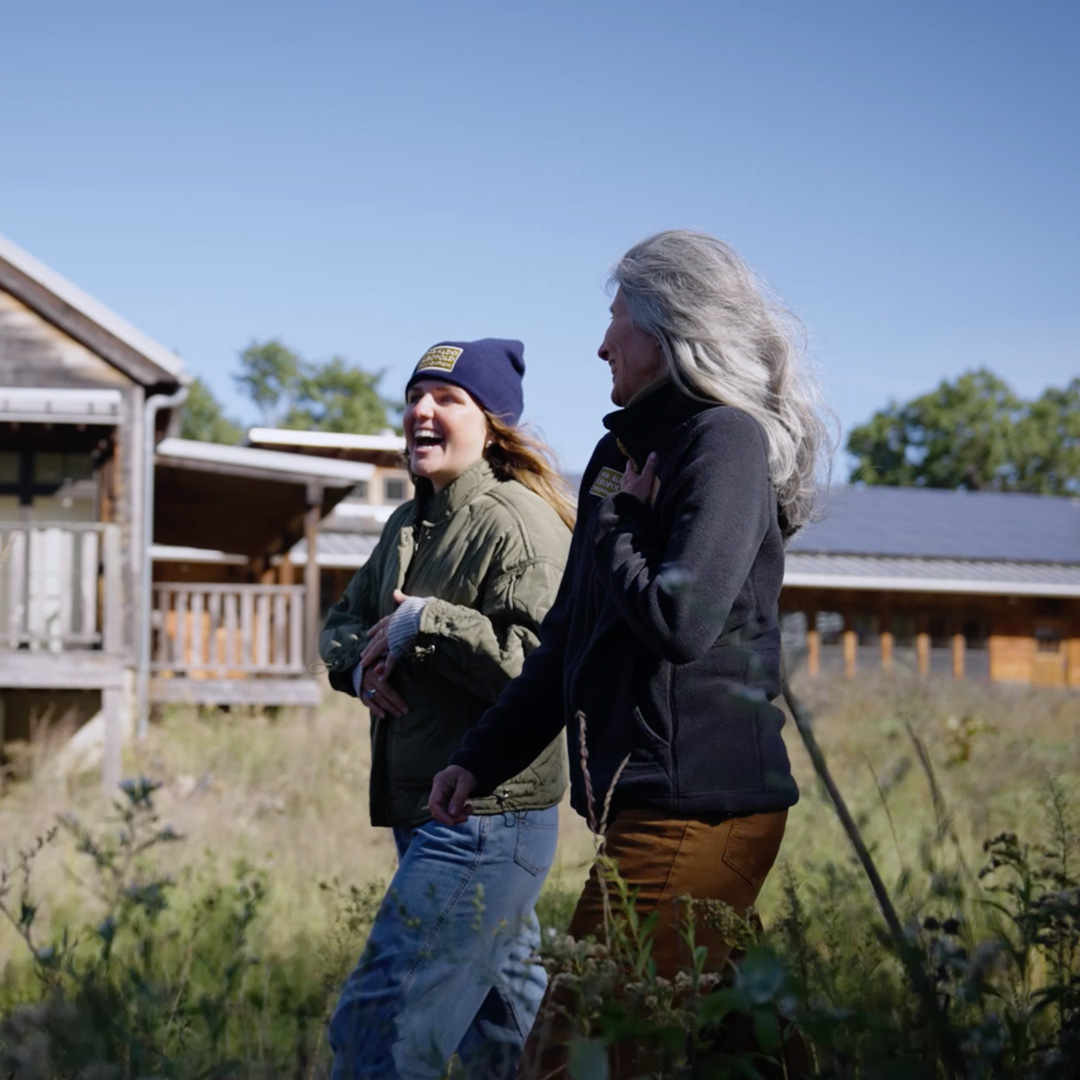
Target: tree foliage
{"type": "Point", "coordinates": [205, 420]}
{"type": "Point", "coordinates": [292, 392]}
{"type": "Point", "coordinates": [977, 434]}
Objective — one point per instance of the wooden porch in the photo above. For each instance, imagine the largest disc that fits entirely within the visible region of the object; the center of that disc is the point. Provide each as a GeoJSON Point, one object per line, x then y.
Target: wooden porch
{"type": "Point", "coordinates": [62, 626]}
{"type": "Point", "coordinates": [215, 644]}
{"type": "Point", "coordinates": [61, 616]}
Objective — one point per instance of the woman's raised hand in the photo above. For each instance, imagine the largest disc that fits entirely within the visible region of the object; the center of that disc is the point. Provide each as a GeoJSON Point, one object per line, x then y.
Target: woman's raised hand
{"type": "Point", "coordinates": [640, 484]}
{"type": "Point", "coordinates": [450, 791]}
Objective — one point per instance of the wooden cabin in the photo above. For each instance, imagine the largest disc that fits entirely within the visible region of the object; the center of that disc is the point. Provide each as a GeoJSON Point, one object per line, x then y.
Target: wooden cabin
{"type": "Point", "coordinates": [349, 534]}
{"type": "Point", "coordinates": [233, 623]}
{"type": "Point", "coordinates": [972, 585]}
{"type": "Point", "coordinates": [88, 632]}
{"type": "Point", "coordinates": [83, 395]}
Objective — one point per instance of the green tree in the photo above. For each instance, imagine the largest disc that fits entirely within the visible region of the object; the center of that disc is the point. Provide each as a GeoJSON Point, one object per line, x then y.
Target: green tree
{"type": "Point", "coordinates": [205, 420]}
{"type": "Point", "coordinates": [974, 433]}
{"type": "Point", "coordinates": [293, 392]}
{"type": "Point", "coordinates": [1048, 440]}
{"type": "Point", "coordinates": [269, 372]}
{"type": "Point", "coordinates": [337, 397]}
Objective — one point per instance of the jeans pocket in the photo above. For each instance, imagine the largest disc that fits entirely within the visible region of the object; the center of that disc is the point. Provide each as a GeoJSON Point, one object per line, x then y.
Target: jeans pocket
{"type": "Point", "coordinates": [537, 835]}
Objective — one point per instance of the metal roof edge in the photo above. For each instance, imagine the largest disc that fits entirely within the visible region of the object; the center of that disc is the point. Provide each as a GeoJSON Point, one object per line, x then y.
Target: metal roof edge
{"type": "Point", "coordinates": [328, 439]}
{"type": "Point", "coordinates": [986, 560]}
{"type": "Point", "coordinates": [862, 583]}
{"type": "Point", "coordinates": [284, 464]}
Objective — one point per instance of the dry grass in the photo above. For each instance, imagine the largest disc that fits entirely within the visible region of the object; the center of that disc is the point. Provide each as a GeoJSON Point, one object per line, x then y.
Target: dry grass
{"type": "Point", "coordinates": [291, 796]}
{"type": "Point", "coordinates": [279, 792]}
{"type": "Point", "coordinates": [992, 750]}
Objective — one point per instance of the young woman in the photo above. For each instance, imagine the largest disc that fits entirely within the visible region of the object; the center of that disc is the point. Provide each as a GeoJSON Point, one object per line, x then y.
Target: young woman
{"type": "Point", "coordinates": [665, 636]}
{"type": "Point", "coordinates": [428, 634]}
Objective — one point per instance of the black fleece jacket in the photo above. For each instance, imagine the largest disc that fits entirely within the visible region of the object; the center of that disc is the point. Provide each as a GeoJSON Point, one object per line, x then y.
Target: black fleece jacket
{"type": "Point", "coordinates": [663, 645]}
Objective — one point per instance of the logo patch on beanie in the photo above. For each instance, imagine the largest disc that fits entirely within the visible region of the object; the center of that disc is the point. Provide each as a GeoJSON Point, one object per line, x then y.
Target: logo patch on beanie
{"type": "Point", "coordinates": [439, 358]}
{"type": "Point", "coordinates": [607, 483]}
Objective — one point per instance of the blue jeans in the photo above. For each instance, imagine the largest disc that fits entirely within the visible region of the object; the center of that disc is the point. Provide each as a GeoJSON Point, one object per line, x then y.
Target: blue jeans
{"type": "Point", "coordinates": [447, 966]}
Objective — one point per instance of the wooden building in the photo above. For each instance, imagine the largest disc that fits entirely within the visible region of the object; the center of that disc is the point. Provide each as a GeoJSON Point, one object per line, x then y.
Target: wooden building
{"type": "Point", "coordinates": [83, 395]}
{"type": "Point", "coordinates": [969, 584]}
{"type": "Point", "coordinates": [232, 621]}
{"type": "Point", "coordinates": [87, 629]}
{"type": "Point", "coordinates": [349, 534]}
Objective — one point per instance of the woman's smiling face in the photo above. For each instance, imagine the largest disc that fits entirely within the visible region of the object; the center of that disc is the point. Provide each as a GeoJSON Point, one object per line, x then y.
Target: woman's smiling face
{"type": "Point", "coordinates": [445, 431]}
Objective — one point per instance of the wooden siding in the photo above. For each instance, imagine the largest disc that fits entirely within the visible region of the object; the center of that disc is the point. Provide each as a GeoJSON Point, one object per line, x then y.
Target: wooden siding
{"type": "Point", "coordinates": [33, 352]}
{"type": "Point", "coordinates": [1028, 640]}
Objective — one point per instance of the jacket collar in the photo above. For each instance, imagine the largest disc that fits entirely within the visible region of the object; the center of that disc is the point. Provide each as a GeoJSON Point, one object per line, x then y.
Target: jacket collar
{"type": "Point", "coordinates": [650, 418]}
{"type": "Point", "coordinates": [475, 480]}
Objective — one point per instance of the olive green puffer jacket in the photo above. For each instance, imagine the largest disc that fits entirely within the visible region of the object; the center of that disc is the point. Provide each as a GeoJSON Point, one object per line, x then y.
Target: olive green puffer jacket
{"type": "Point", "coordinates": [491, 553]}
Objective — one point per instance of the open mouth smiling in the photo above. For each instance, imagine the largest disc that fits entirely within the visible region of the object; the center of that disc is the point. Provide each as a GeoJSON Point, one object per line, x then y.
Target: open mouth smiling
{"type": "Point", "coordinates": [424, 439]}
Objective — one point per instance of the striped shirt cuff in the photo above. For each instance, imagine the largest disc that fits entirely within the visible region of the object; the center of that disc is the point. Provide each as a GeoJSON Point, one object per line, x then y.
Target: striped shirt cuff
{"type": "Point", "coordinates": [405, 624]}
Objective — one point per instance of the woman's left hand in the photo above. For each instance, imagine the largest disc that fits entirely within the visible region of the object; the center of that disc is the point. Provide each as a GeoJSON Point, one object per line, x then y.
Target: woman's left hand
{"type": "Point", "coordinates": [640, 484]}
{"type": "Point", "coordinates": [378, 646]}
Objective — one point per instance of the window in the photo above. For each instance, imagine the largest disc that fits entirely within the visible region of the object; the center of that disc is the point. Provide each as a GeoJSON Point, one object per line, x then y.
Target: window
{"type": "Point", "coordinates": [9, 467]}
{"type": "Point", "coordinates": [830, 625]}
{"type": "Point", "coordinates": [394, 489]}
{"type": "Point", "coordinates": [46, 485]}
{"type": "Point", "coordinates": [360, 492]}
{"type": "Point", "coordinates": [867, 627]}
{"type": "Point", "coordinates": [1047, 640]}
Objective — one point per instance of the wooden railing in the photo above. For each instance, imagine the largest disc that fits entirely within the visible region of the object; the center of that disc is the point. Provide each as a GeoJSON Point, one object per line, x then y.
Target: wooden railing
{"type": "Point", "coordinates": [227, 631]}
{"type": "Point", "coordinates": [60, 587]}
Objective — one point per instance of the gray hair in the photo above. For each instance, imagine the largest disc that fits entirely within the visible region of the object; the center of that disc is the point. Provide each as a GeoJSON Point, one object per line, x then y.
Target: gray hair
{"type": "Point", "coordinates": [727, 339]}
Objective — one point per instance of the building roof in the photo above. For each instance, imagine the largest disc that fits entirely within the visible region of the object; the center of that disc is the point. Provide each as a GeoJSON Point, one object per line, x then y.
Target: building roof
{"type": "Point", "coordinates": [336, 550]}
{"type": "Point", "coordinates": [239, 500]}
{"type": "Point", "coordinates": [238, 459]}
{"type": "Point", "coordinates": [87, 320]}
{"type": "Point", "coordinates": [325, 440]}
{"type": "Point", "coordinates": [385, 449]}
{"type": "Point", "coordinates": [921, 523]}
{"type": "Point", "coordinates": [890, 574]}
{"type": "Point", "coordinates": [60, 405]}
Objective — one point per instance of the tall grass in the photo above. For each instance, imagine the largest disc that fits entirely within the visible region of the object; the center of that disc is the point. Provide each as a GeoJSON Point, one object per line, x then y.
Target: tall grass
{"type": "Point", "coordinates": [129, 952]}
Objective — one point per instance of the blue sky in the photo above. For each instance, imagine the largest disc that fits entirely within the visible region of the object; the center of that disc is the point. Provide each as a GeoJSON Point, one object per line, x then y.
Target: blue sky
{"type": "Point", "coordinates": [366, 179]}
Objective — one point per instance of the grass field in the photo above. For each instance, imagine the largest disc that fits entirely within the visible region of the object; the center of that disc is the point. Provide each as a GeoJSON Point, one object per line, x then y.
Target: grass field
{"type": "Point", "coordinates": [929, 769]}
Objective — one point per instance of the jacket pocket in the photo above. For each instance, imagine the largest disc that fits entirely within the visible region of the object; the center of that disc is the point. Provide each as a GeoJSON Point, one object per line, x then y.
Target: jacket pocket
{"type": "Point", "coordinates": [650, 686]}
{"type": "Point", "coordinates": [646, 731]}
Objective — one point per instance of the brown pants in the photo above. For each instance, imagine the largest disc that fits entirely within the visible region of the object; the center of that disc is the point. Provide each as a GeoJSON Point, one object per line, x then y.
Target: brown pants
{"type": "Point", "coordinates": [662, 859]}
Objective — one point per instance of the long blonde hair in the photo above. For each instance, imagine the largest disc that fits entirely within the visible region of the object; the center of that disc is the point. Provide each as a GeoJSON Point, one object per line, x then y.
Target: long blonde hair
{"type": "Point", "coordinates": [514, 454]}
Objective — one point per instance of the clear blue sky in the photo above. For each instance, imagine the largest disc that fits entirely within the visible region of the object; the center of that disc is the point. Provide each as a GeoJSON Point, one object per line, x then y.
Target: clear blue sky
{"type": "Point", "coordinates": [367, 179]}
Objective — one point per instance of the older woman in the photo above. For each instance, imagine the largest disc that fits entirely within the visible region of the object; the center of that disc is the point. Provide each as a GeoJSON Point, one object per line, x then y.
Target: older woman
{"type": "Point", "coordinates": [662, 651]}
{"type": "Point", "coordinates": [428, 633]}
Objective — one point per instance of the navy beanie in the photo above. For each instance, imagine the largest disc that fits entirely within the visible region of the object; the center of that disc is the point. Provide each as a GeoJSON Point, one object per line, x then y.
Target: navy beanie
{"type": "Point", "coordinates": [490, 369]}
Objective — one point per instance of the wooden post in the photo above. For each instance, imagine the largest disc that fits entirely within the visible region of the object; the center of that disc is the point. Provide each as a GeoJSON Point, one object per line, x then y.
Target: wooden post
{"type": "Point", "coordinates": [851, 642]}
{"type": "Point", "coordinates": [311, 575]}
{"type": "Point", "coordinates": [922, 652]}
{"type": "Point", "coordinates": [813, 645]}
{"type": "Point", "coordinates": [887, 642]}
{"type": "Point", "coordinates": [113, 616]}
{"type": "Point", "coordinates": [112, 705]}
{"type": "Point", "coordinates": [959, 645]}
{"type": "Point", "coordinates": [286, 571]}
